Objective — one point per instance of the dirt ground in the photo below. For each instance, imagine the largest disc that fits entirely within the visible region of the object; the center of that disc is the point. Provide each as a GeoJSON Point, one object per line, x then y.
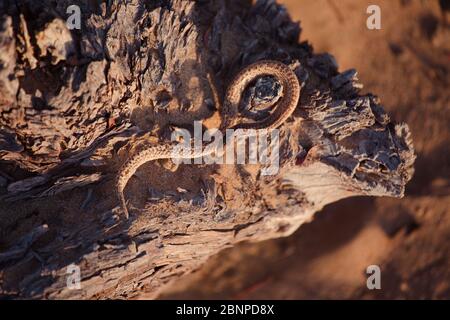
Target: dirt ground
{"type": "Point", "coordinates": [407, 64]}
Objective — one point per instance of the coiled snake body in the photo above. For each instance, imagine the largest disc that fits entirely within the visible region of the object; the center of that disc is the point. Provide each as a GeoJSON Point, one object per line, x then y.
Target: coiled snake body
{"type": "Point", "coordinates": [284, 108]}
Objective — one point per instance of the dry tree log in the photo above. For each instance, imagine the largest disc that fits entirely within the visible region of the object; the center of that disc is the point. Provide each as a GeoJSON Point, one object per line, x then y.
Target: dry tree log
{"type": "Point", "coordinates": [75, 103]}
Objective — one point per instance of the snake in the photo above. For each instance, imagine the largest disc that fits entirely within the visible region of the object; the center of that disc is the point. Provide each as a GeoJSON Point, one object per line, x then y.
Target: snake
{"type": "Point", "coordinates": [284, 108]}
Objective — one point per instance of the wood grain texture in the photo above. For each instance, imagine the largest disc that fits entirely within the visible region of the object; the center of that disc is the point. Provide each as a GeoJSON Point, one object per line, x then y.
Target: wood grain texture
{"type": "Point", "coordinates": [69, 116]}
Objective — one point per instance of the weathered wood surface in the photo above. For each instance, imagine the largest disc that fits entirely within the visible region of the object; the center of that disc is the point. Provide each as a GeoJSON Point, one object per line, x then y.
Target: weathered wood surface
{"type": "Point", "coordinates": [73, 104]}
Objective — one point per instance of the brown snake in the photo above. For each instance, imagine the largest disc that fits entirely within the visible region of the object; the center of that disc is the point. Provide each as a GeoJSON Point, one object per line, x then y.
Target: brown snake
{"type": "Point", "coordinates": [284, 108]}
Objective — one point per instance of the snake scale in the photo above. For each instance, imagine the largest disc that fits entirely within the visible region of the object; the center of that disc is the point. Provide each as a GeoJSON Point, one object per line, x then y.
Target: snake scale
{"type": "Point", "coordinates": [284, 108]}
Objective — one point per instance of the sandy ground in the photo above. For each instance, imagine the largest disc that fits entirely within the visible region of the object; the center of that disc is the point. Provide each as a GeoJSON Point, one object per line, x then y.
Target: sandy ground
{"type": "Point", "coordinates": [406, 63]}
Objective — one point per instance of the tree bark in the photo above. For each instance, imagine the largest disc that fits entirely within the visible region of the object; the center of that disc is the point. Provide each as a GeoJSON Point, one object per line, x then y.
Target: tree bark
{"type": "Point", "coordinates": [74, 103]}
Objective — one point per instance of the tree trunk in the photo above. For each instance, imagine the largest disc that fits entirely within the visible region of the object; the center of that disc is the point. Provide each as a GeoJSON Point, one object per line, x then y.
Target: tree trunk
{"type": "Point", "coordinates": [75, 103]}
